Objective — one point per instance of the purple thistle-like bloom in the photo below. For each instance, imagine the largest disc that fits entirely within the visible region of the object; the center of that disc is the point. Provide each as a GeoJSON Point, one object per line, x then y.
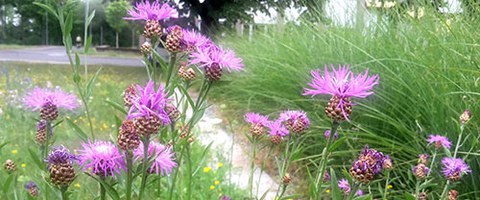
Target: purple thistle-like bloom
{"type": "Point", "coordinates": [60, 155]}
{"type": "Point", "coordinates": [210, 54]}
{"type": "Point", "coordinates": [296, 120]}
{"type": "Point", "coordinates": [30, 185]}
{"type": "Point", "coordinates": [439, 141]}
{"type": "Point", "coordinates": [454, 168]}
{"type": "Point", "coordinates": [163, 158]}
{"type": "Point", "coordinates": [328, 133]}
{"type": "Point", "coordinates": [102, 157]}
{"type": "Point", "coordinates": [277, 128]}
{"type": "Point", "coordinates": [195, 39]}
{"type": "Point", "coordinates": [150, 102]}
{"type": "Point", "coordinates": [151, 11]}
{"type": "Point", "coordinates": [359, 193]}
{"type": "Point", "coordinates": [38, 97]}
{"type": "Point", "coordinates": [344, 186]}
{"type": "Point", "coordinates": [255, 118]}
{"type": "Point", "coordinates": [225, 197]}
{"type": "Point", "coordinates": [369, 163]}
{"type": "Point", "coordinates": [341, 83]}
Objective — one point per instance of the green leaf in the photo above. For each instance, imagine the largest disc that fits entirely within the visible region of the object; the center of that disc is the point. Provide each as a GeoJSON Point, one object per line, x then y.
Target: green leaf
{"type": "Point", "coordinates": [90, 18]}
{"type": "Point", "coordinates": [47, 8]}
{"type": "Point", "coordinates": [7, 183]}
{"type": "Point", "coordinates": [185, 93]}
{"type": "Point", "coordinates": [87, 45]}
{"type": "Point", "coordinates": [68, 24]}
{"type": "Point", "coordinates": [159, 59]}
{"type": "Point", "coordinates": [117, 106]}
{"type": "Point", "coordinates": [408, 196]}
{"type": "Point", "coordinates": [57, 123]}
{"type": "Point", "coordinates": [35, 159]}
{"type": "Point", "coordinates": [83, 136]}
{"type": "Point", "coordinates": [202, 158]}
{"type": "Point", "coordinates": [336, 192]}
{"type": "Point", "coordinates": [91, 83]}
{"type": "Point", "coordinates": [336, 144]}
{"type": "Point", "coordinates": [3, 144]}
{"type": "Point", "coordinates": [108, 188]}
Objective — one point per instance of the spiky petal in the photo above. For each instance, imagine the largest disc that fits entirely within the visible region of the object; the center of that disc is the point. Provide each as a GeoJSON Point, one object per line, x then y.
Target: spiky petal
{"type": "Point", "coordinates": [38, 97]}
{"type": "Point", "coordinates": [454, 168]}
{"type": "Point", "coordinates": [102, 157]}
{"type": "Point", "coordinates": [163, 157]}
{"type": "Point", "coordinates": [214, 60]}
{"type": "Point", "coordinates": [344, 186]}
{"type": "Point", "coordinates": [151, 11]}
{"type": "Point", "coordinates": [150, 103]}
{"type": "Point", "coordinates": [439, 141]}
{"type": "Point", "coordinates": [295, 120]}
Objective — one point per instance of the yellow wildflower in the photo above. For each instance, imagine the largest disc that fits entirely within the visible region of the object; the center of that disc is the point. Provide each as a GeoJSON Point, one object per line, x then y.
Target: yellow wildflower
{"type": "Point", "coordinates": [207, 169]}
{"type": "Point", "coordinates": [212, 187]}
{"type": "Point", "coordinates": [14, 151]}
{"type": "Point", "coordinates": [77, 185]}
{"type": "Point", "coordinates": [327, 191]}
{"type": "Point", "coordinates": [24, 165]}
{"type": "Point", "coordinates": [389, 186]}
{"type": "Point", "coordinates": [217, 182]}
{"type": "Point", "coordinates": [220, 164]}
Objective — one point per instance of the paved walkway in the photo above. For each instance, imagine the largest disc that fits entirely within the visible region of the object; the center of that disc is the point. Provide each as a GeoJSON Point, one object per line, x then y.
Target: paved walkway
{"type": "Point", "coordinates": [57, 55]}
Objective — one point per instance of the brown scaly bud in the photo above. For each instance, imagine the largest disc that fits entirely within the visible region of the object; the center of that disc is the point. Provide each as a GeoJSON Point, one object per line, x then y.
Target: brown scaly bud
{"type": "Point", "coordinates": [147, 125]}
{"type": "Point", "coordinates": [127, 137]}
{"type": "Point", "coordinates": [256, 130]}
{"type": "Point", "coordinates": [452, 195]}
{"type": "Point", "coordinates": [213, 72]}
{"type": "Point", "coordinates": [183, 131]}
{"type": "Point", "coordinates": [32, 189]}
{"type": "Point", "coordinates": [173, 40]}
{"type": "Point", "coordinates": [335, 112]}
{"type": "Point", "coordinates": [62, 174]}
{"type": "Point", "coordinates": [129, 95]}
{"type": "Point", "coordinates": [152, 29]}
{"type": "Point", "coordinates": [191, 139]}
{"type": "Point", "coordinates": [422, 196]}
{"type": "Point", "coordinates": [146, 48]}
{"type": "Point", "coordinates": [187, 74]}
{"type": "Point", "coordinates": [465, 116]}
{"type": "Point", "coordinates": [172, 112]}
{"type": "Point", "coordinates": [423, 158]}
{"type": "Point", "coordinates": [41, 135]}
{"type": "Point", "coordinates": [387, 163]}
{"type": "Point", "coordinates": [276, 139]}
{"type": "Point", "coordinates": [286, 179]}
{"type": "Point", "coordinates": [420, 171]}
{"type": "Point", "coordinates": [10, 166]}
{"type": "Point", "coordinates": [169, 144]}
{"type": "Point", "coordinates": [49, 111]}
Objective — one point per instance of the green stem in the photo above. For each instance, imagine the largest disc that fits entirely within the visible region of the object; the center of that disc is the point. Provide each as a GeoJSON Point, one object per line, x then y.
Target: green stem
{"type": "Point", "coordinates": [325, 152]}
{"type": "Point", "coordinates": [386, 184]}
{"type": "Point", "coordinates": [189, 171]}
{"type": "Point", "coordinates": [128, 156]}
{"type": "Point", "coordinates": [262, 168]}
{"type": "Point", "coordinates": [102, 191]}
{"type": "Point", "coordinates": [146, 142]}
{"type": "Point", "coordinates": [286, 162]}
{"type": "Point", "coordinates": [417, 189]}
{"type": "Point", "coordinates": [171, 65]}
{"type": "Point", "coordinates": [354, 189]}
{"type": "Point", "coordinates": [47, 140]}
{"type": "Point", "coordinates": [444, 191]}
{"type": "Point", "coordinates": [63, 191]}
{"type": "Point", "coordinates": [174, 180]}
{"type": "Point", "coordinates": [252, 165]}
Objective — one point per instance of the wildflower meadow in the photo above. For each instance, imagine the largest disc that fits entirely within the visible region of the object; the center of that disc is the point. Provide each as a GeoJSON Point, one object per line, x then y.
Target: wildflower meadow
{"type": "Point", "coordinates": [328, 113]}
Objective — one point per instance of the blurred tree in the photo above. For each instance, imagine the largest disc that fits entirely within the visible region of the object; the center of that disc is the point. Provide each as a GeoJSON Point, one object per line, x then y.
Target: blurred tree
{"type": "Point", "coordinates": [114, 14]}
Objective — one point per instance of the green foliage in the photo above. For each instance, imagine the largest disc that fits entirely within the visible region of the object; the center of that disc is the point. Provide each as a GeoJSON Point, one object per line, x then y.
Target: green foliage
{"type": "Point", "coordinates": [428, 68]}
{"type": "Point", "coordinates": [115, 13]}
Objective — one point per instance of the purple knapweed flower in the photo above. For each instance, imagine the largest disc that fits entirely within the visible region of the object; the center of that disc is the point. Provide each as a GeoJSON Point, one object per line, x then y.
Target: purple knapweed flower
{"type": "Point", "coordinates": [454, 168]}
{"type": "Point", "coordinates": [39, 97]}
{"type": "Point", "coordinates": [102, 158]}
{"type": "Point", "coordinates": [195, 40]}
{"type": "Point", "coordinates": [32, 189]}
{"type": "Point", "coordinates": [277, 131]}
{"type": "Point", "coordinates": [214, 60]}
{"type": "Point", "coordinates": [150, 102]}
{"type": "Point", "coordinates": [60, 155]}
{"type": "Point", "coordinates": [257, 123]}
{"type": "Point", "coordinates": [369, 163]}
{"type": "Point", "coordinates": [387, 162]}
{"type": "Point", "coordinates": [423, 158]}
{"type": "Point", "coordinates": [151, 11]}
{"type": "Point", "coordinates": [342, 84]}
{"type": "Point", "coordinates": [326, 176]}
{"type": "Point", "coordinates": [295, 120]}
{"type": "Point", "coordinates": [439, 141]}
{"type": "Point", "coordinates": [225, 197]}
{"type": "Point", "coordinates": [344, 186]}
{"type": "Point", "coordinates": [328, 133]}
{"type": "Point", "coordinates": [163, 157]}
{"type": "Point", "coordinates": [359, 193]}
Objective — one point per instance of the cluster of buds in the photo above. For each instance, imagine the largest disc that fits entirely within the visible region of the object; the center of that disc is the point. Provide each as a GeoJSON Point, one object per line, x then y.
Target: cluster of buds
{"type": "Point", "coordinates": [174, 39]}
{"type": "Point", "coordinates": [465, 117]}
{"type": "Point", "coordinates": [129, 95]}
{"type": "Point", "coordinates": [60, 166]}
{"type": "Point", "coordinates": [146, 48]}
{"type": "Point", "coordinates": [41, 135]}
{"type": "Point", "coordinates": [152, 29]}
{"type": "Point", "coordinates": [187, 74]}
{"type": "Point", "coordinates": [32, 189]}
{"type": "Point", "coordinates": [421, 170]}
{"type": "Point", "coordinates": [369, 163]}
{"type": "Point", "coordinates": [127, 137]}
{"type": "Point", "coordinates": [335, 112]}
{"type": "Point", "coordinates": [10, 166]}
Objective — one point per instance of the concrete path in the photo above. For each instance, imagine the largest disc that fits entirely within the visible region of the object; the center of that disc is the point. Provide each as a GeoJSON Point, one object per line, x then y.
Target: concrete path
{"type": "Point", "coordinates": [57, 55]}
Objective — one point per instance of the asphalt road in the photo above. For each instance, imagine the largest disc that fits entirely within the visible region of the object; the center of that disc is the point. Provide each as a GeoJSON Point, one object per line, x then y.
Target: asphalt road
{"type": "Point", "coordinates": [57, 55]}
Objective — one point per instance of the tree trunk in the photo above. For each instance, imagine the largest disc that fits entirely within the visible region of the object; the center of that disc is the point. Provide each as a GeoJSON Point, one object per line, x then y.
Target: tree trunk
{"type": "Point", "coordinates": [116, 40]}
